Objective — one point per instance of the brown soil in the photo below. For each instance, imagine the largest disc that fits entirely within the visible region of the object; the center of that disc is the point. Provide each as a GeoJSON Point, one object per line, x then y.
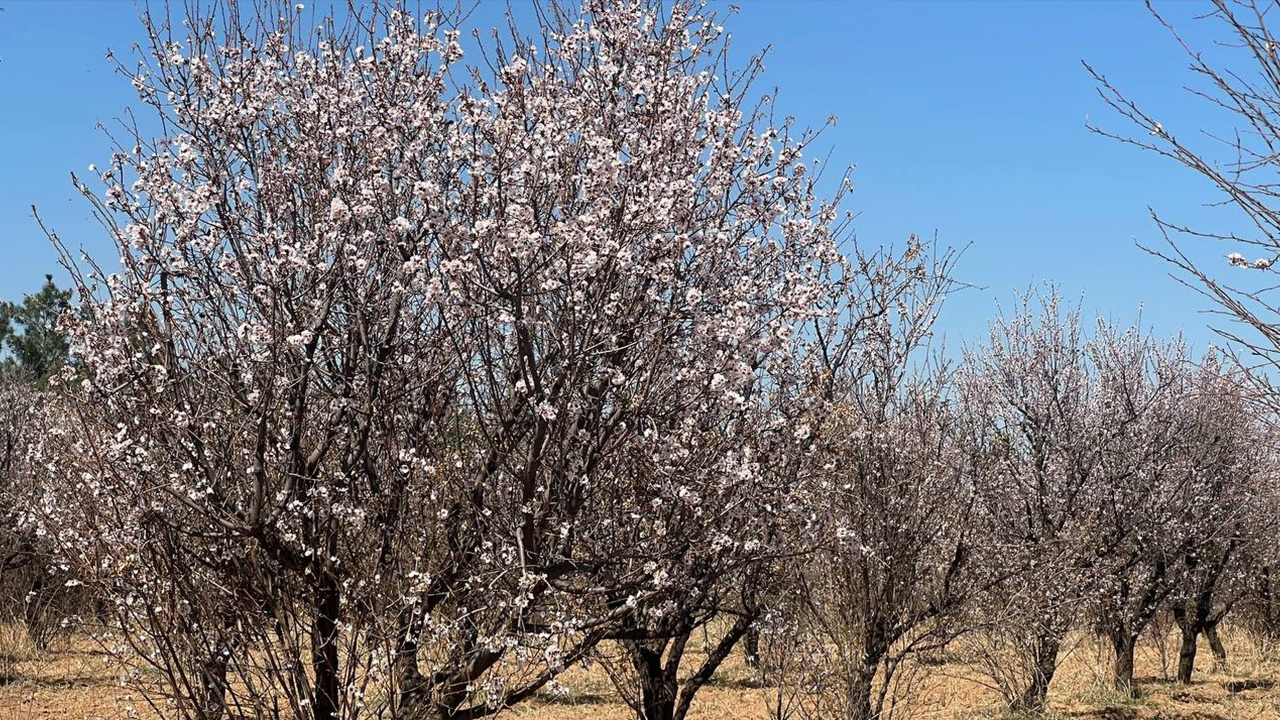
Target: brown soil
{"type": "Point", "coordinates": [77, 683]}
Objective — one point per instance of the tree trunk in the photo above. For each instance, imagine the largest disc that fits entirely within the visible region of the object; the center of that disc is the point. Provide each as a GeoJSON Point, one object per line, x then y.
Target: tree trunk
{"type": "Point", "coordinates": [658, 686]}
{"type": "Point", "coordinates": [1187, 653]}
{"type": "Point", "coordinates": [1035, 699]}
{"type": "Point", "coordinates": [1191, 626]}
{"type": "Point", "coordinates": [716, 656]}
{"type": "Point", "coordinates": [658, 699]}
{"type": "Point", "coordinates": [1215, 644]}
{"type": "Point", "coordinates": [325, 650]}
{"type": "Point", "coordinates": [1123, 642]}
{"type": "Point", "coordinates": [413, 687]}
{"type": "Point", "coordinates": [213, 673]}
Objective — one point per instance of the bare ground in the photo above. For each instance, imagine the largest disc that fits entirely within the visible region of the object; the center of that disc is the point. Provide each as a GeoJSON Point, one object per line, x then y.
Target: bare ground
{"type": "Point", "coordinates": [75, 682]}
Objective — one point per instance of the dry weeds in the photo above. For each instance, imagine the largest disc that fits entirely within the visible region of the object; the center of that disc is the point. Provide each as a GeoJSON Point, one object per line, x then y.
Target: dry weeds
{"type": "Point", "coordinates": [75, 682]}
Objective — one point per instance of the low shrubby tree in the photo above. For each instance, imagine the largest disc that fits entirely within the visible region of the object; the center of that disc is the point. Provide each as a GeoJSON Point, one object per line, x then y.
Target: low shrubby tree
{"type": "Point", "coordinates": [886, 485]}
{"type": "Point", "coordinates": [1147, 467]}
{"type": "Point", "coordinates": [1254, 589]}
{"type": "Point", "coordinates": [1103, 467]}
{"type": "Point", "coordinates": [1030, 397]}
{"type": "Point", "coordinates": [1236, 78]}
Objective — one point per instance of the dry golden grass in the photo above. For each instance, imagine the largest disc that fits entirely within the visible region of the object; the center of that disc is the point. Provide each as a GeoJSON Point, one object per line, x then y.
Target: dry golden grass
{"type": "Point", "coordinates": [72, 681]}
{"type": "Point", "coordinates": [75, 682]}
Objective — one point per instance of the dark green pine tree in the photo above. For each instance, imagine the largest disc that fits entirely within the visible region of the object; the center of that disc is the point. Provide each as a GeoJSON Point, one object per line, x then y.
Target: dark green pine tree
{"type": "Point", "coordinates": [31, 346]}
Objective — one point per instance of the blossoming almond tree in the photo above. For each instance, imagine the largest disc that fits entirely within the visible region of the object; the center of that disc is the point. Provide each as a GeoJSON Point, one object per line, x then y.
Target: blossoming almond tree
{"type": "Point", "coordinates": [1029, 394]}
{"type": "Point", "coordinates": [884, 487]}
{"type": "Point", "coordinates": [1223, 515]}
{"type": "Point", "coordinates": [33, 592]}
{"type": "Point", "coordinates": [1237, 78]}
{"type": "Point", "coordinates": [1146, 467]}
{"type": "Point", "coordinates": [417, 381]}
{"type": "Point", "coordinates": [1082, 437]}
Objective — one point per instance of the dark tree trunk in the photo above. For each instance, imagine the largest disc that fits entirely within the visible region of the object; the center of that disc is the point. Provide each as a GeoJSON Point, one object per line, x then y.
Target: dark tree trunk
{"type": "Point", "coordinates": [1190, 625]}
{"type": "Point", "coordinates": [658, 683]}
{"type": "Point", "coordinates": [658, 699]}
{"type": "Point", "coordinates": [325, 650]}
{"type": "Point", "coordinates": [1215, 644]}
{"type": "Point", "coordinates": [213, 673]}
{"type": "Point", "coordinates": [413, 687]}
{"type": "Point", "coordinates": [862, 706]}
{"type": "Point", "coordinates": [1035, 699]}
{"type": "Point", "coordinates": [657, 663]}
{"type": "Point", "coordinates": [1187, 652]}
{"type": "Point", "coordinates": [715, 657]}
{"type": "Point", "coordinates": [1123, 642]}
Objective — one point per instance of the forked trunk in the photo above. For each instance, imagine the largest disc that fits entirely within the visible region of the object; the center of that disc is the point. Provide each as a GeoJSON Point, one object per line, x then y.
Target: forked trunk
{"type": "Point", "coordinates": [658, 699]}
{"type": "Point", "coordinates": [413, 687]}
{"type": "Point", "coordinates": [658, 685]}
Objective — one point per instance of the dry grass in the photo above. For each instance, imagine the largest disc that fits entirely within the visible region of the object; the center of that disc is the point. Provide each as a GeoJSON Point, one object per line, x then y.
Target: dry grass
{"type": "Point", "coordinates": [76, 683]}
{"type": "Point", "coordinates": [72, 681]}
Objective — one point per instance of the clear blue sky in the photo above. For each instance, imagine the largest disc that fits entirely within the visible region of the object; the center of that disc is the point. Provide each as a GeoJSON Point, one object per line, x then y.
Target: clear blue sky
{"type": "Point", "coordinates": [964, 119]}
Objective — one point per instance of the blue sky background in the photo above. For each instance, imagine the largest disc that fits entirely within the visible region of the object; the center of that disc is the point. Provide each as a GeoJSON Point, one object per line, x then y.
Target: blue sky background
{"type": "Point", "coordinates": [964, 119]}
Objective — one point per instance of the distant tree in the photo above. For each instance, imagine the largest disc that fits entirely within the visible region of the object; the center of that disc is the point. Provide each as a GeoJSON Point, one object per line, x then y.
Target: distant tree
{"type": "Point", "coordinates": [1238, 78]}
{"type": "Point", "coordinates": [32, 349]}
{"type": "Point", "coordinates": [31, 346]}
{"type": "Point", "coordinates": [1220, 520]}
{"type": "Point", "coordinates": [1144, 391]}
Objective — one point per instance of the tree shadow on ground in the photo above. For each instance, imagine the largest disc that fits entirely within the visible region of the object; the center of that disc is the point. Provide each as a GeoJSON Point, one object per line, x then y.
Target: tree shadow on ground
{"type": "Point", "coordinates": [577, 698]}
{"type": "Point", "coordinates": [1107, 713]}
{"type": "Point", "coordinates": [63, 681]}
{"type": "Point", "coordinates": [737, 683]}
{"type": "Point", "coordinates": [1238, 686]}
